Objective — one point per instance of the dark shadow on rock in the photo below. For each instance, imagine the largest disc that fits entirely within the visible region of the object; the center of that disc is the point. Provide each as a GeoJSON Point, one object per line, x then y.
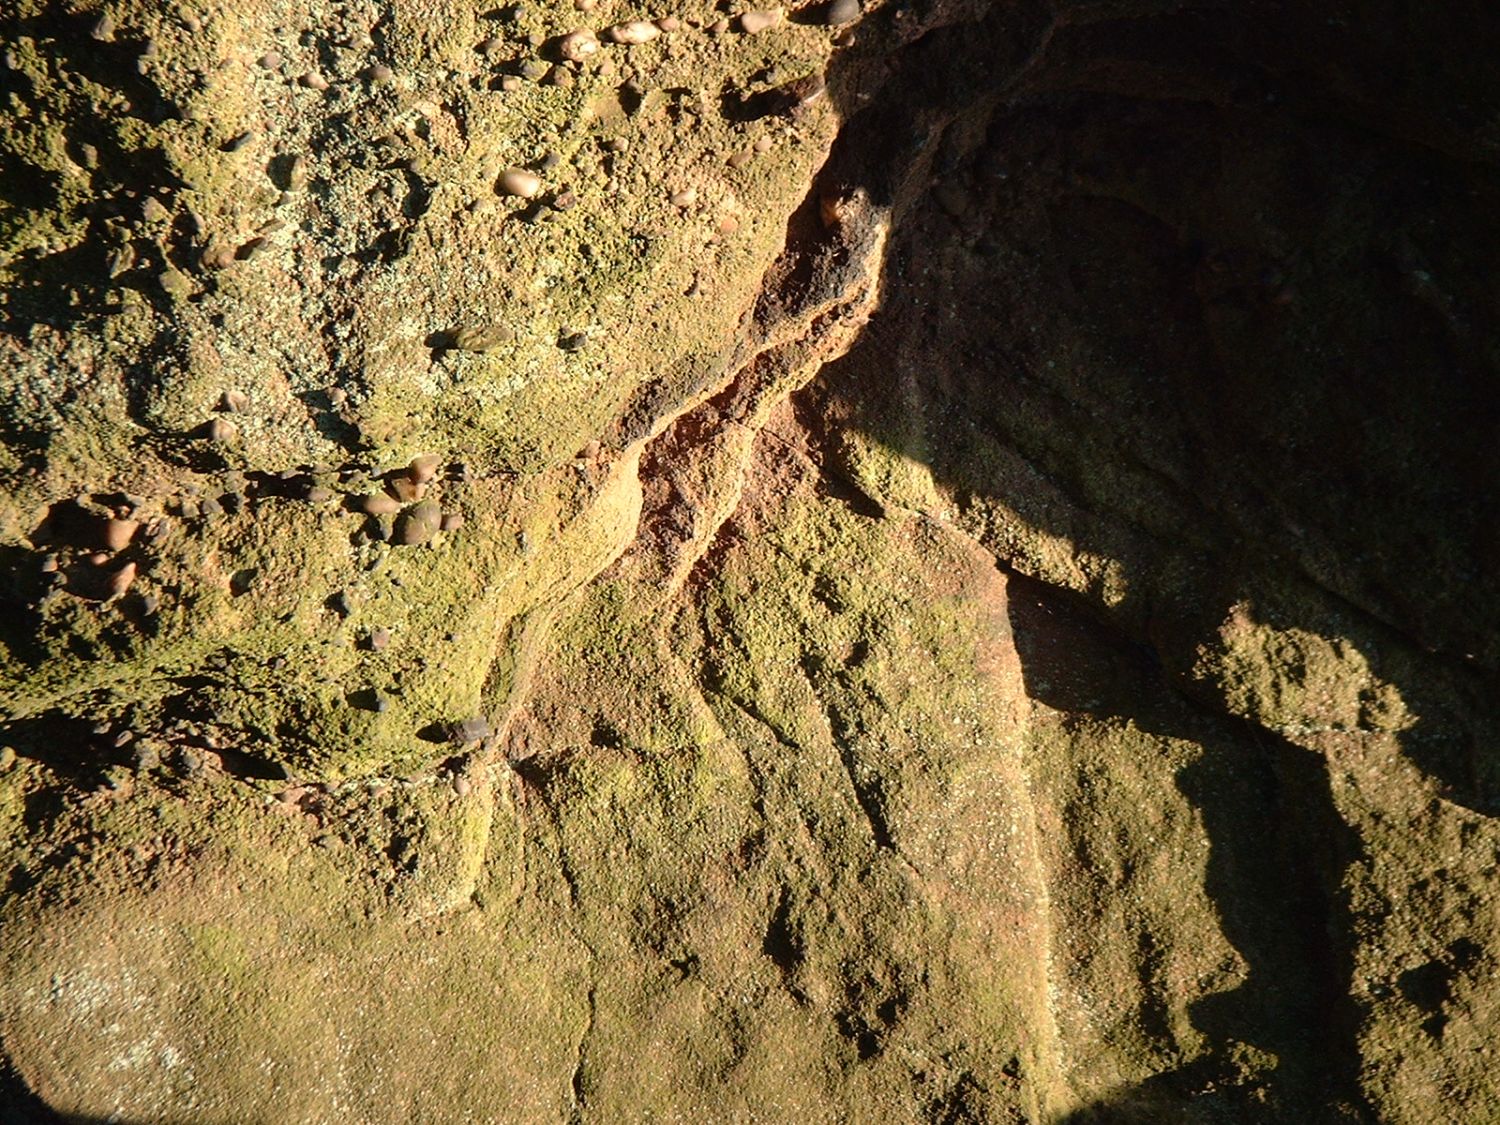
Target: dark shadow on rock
{"type": "Point", "coordinates": [1172, 289]}
{"type": "Point", "coordinates": [1278, 850]}
{"type": "Point", "coordinates": [1194, 298]}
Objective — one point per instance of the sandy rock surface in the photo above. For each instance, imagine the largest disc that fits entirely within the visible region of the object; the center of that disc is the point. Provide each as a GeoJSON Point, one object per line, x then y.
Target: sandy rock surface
{"type": "Point", "coordinates": [891, 562]}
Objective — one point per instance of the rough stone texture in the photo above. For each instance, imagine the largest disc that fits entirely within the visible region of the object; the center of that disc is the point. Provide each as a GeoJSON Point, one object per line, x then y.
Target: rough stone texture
{"type": "Point", "coordinates": [976, 564]}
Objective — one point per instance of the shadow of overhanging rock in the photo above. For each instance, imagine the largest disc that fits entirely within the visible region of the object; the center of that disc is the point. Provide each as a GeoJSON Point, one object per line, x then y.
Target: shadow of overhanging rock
{"type": "Point", "coordinates": [1282, 1040]}
{"type": "Point", "coordinates": [1180, 325]}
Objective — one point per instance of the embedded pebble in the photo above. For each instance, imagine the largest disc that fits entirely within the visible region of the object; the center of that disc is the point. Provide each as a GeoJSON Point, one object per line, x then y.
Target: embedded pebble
{"type": "Point", "coordinates": [405, 489]}
{"type": "Point", "coordinates": [312, 80]}
{"type": "Point", "coordinates": [379, 73]}
{"type": "Point", "coordinates": [578, 45]}
{"type": "Point", "coordinates": [150, 604]}
{"type": "Point", "coordinates": [422, 469]}
{"type": "Point", "coordinates": [841, 12]}
{"type": "Point", "coordinates": [518, 181]}
{"type": "Point", "coordinates": [533, 69]}
{"type": "Point", "coordinates": [152, 210]}
{"type": "Point", "coordinates": [762, 144]}
{"type": "Point", "coordinates": [317, 494]}
{"type": "Point", "coordinates": [669, 23]}
{"type": "Point", "coordinates": [632, 32]}
{"type": "Point", "coordinates": [481, 338]}
{"type": "Point", "coordinates": [118, 533]}
{"type": "Point", "coordinates": [122, 260]}
{"type": "Point", "coordinates": [120, 581]}
{"type": "Point", "coordinates": [418, 524]}
{"type": "Point", "coordinates": [469, 730]}
{"type": "Point", "coordinates": [491, 46]}
{"type": "Point", "coordinates": [235, 402]}
{"type": "Point", "coordinates": [685, 198]}
{"type": "Point", "coordinates": [174, 283]}
{"type": "Point", "coordinates": [752, 23]}
{"type": "Point", "coordinates": [220, 430]}
{"type": "Point", "coordinates": [461, 786]}
{"type": "Point", "coordinates": [103, 29]}
{"type": "Point", "coordinates": [296, 174]}
{"type": "Point", "coordinates": [379, 638]}
{"type": "Point", "coordinates": [452, 521]}
{"type": "Point", "coordinates": [239, 141]}
{"type": "Point", "coordinates": [378, 504]}
{"type": "Point", "coordinates": [7, 757]}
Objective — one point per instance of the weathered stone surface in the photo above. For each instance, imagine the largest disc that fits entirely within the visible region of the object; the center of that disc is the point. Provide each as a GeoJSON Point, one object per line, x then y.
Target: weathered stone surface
{"type": "Point", "coordinates": [1017, 644]}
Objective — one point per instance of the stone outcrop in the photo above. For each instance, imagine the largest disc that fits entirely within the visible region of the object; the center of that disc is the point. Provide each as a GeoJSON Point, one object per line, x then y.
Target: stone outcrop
{"type": "Point", "coordinates": [934, 566]}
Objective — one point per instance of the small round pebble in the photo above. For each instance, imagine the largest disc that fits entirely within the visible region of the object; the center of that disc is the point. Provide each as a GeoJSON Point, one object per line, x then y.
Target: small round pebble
{"type": "Point", "coordinates": [519, 182]}
{"type": "Point", "coordinates": [632, 32]}
{"type": "Point", "coordinates": [762, 19]}
{"type": "Point", "coordinates": [378, 504]}
{"type": "Point", "coordinates": [119, 533]}
{"type": "Point", "coordinates": [469, 730]}
{"type": "Point", "coordinates": [418, 524]}
{"type": "Point", "coordinates": [406, 489]}
{"type": "Point", "coordinates": [423, 468]}
{"type": "Point", "coordinates": [482, 337]}
{"type": "Point", "coordinates": [841, 12]}
{"type": "Point", "coordinates": [576, 46]}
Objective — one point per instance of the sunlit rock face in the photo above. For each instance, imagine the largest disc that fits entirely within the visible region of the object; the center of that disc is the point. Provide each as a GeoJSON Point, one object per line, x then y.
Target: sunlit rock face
{"type": "Point", "coordinates": [903, 562]}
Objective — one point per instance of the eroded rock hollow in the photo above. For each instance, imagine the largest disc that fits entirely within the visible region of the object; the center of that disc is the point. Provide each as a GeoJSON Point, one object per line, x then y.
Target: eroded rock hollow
{"type": "Point", "coordinates": [886, 561]}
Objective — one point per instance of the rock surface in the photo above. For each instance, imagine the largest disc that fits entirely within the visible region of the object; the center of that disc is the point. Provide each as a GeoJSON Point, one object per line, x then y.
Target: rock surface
{"type": "Point", "coordinates": [952, 576]}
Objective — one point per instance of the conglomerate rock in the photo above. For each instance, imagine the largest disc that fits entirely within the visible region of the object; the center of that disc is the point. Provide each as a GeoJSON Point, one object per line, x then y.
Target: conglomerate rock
{"type": "Point", "coordinates": [928, 561]}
